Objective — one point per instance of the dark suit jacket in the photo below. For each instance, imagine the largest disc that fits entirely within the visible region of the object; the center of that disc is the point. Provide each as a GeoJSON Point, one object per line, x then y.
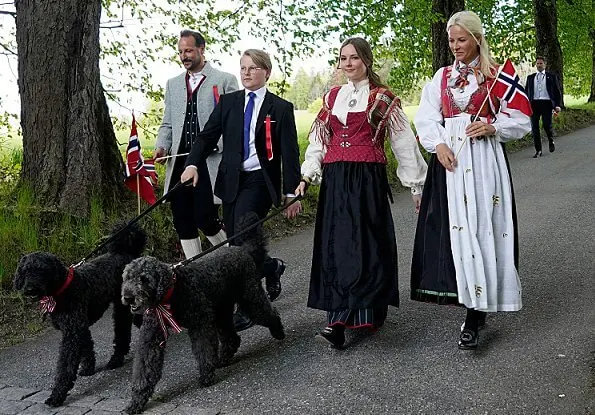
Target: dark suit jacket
{"type": "Point", "coordinates": [552, 85]}
{"type": "Point", "coordinates": [282, 172]}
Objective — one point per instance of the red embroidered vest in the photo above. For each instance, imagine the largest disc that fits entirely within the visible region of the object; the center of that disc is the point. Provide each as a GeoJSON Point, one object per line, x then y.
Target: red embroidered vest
{"type": "Point", "coordinates": [450, 108]}
{"type": "Point", "coordinates": [353, 141]}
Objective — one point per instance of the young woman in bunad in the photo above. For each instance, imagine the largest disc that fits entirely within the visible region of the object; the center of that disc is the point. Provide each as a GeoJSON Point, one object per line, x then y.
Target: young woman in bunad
{"type": "Point", "coordinates": [466, 245]}
{"type": "Point", "coordinates": [354, 260]}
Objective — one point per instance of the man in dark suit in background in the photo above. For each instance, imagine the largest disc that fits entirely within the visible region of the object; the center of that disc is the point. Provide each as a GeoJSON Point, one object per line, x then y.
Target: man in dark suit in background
{"type": "Point", "coordinates": [260, 166]}
{"type": "Point", "coordinates": [543, 90]}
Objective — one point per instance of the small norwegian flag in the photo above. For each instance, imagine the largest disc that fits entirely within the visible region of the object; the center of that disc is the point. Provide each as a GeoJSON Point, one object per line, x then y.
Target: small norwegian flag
{"type": "Point", "coordinates": [509, 89]}
{"type": "Point", "coordinates": [136, 166]}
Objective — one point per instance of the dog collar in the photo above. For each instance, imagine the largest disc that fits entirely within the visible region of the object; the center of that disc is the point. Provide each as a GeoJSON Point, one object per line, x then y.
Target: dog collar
{"type": "Point", "coordinates": [48, 302]}
{"type": "Point", "coordinates": [170, 290]}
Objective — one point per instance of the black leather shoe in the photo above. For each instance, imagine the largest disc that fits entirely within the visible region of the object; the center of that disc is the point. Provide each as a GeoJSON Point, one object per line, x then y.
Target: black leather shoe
{"type": "Point", "coordinates": [552, 146]}
{"type": "Point", "coordinates": [273, 282]}
{"type": "Point", "coordinates": [241, 321]}
{"type": "Point", "coordinates": [537, 154]}
{"type": "Point", "coordinates": [468, 340]}
{"type": "Point", "coordinates": [332, 335]}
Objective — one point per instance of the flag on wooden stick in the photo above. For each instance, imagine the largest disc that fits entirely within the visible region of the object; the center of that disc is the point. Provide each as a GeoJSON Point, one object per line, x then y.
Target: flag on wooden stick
{"type": "Point", "coordinates": [140, 174]}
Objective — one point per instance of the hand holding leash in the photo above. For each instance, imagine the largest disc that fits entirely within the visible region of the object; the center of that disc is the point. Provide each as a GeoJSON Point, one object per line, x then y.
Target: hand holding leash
{"type": "Point", "coordinates": [190, 175]}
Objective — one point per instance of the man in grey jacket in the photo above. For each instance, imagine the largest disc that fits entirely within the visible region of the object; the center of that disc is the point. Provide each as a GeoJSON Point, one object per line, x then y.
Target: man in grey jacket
{"type": "Point", "coordinates": [189, 100]}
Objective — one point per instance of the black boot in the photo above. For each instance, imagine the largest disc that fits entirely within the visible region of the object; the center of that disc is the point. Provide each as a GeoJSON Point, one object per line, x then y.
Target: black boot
{"type": "Point", "coordinates": [335, 335]}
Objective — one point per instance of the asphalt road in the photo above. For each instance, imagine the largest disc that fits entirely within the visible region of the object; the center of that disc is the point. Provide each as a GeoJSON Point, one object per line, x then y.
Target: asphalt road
{"type": "Point", "coordinates": [536, 361]}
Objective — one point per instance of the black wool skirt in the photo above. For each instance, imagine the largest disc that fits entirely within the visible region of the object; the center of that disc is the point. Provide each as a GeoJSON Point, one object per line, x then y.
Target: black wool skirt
{"type": "Point", "coordinates": [433, 275]}
{"type": "Point", "coordinates": [354, 259]}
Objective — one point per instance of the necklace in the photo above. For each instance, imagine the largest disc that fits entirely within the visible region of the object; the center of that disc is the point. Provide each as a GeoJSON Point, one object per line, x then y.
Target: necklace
{"type": "Point", "coordinates": [353, 99]}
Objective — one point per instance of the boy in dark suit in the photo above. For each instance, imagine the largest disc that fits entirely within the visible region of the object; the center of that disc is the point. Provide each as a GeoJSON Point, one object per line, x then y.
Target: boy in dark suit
{"type": "Point", "coordinates": [543, 90]}
{"type": "Point", "coordinates": [260, 163]}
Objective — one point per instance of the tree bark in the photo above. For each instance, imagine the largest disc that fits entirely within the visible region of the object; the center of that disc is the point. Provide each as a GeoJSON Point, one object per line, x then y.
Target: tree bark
{"type": "Point", "coordinates": [546, 35]}
{"type": "Point", "coordinates": [441, 54]}
{"type": "Point", "coordinates": [70, 150]}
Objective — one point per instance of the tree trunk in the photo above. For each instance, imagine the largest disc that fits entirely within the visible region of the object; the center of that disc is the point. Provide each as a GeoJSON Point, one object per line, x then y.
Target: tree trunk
{"type": "Point", "coordinates": [592, 96]}
{"type": "Point", "coordinates": [70, 151]}
{"type": "Point", "coordinates": [546, 34]}
{"type": "Point", "coordinates": [441, 54]}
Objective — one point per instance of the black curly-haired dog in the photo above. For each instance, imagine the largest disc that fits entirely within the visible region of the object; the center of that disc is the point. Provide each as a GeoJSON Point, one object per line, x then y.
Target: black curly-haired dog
{"type": "Point", "coordinates": [200, 296]}
{"type": "Point", "coordinates": [75, 298]}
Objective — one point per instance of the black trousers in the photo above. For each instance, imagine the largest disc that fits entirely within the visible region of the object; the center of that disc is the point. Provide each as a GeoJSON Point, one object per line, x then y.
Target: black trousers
{"type": "Point", "coordinates": [193, 207]}
{"type": "Point", "coordinates": [253, 196]}
{"type": "Point", "coordinates": [541, 109]}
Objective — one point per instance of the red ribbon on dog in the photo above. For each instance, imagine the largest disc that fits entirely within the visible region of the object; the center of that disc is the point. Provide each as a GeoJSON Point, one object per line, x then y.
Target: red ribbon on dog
{"type": "Point", "coordinates": [164, 315]}
{"type": "Point", "coordinates": [269, 139]}
{"type": "Point", "coordinates": [48, 302]}
{"type": "Point", "coordinates": [166, 319]}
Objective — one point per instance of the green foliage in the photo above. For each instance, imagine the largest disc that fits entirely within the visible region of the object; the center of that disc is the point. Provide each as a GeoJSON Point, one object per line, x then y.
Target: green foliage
{"type": "Point", "coordinates": [10, 136]}
{"type": "Point", "coordinates": [17, 233]}
{"type": "Point", "coordinates": [576, 31]}
{"type": "Point", "coordinates": [221, 26]}
{"type": "Point", "coordinates": [315, 106]}
{"type": "Point", "coordinates": [509, 27]}
{"type": "Point", "coordinates": [10, 167]}
{"type": "Point", "coordinates": [306, 88]}
{"type": "Point", "coordinates": [399, 31]}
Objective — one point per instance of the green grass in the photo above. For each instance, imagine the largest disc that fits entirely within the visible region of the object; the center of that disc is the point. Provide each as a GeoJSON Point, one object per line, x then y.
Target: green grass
{"type": "Point", "coordinates": [571, 101]}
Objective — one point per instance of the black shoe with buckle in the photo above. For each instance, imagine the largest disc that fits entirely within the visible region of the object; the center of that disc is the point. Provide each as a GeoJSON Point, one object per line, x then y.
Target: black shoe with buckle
{"type": "Point", "coordinates": [273, 282]}
{"type": "Point", "coordinates": [552, 146]}
{"type": "Point", "coordinates": [468, 340]}
{"type": "Point", "coordinates": [333, 335]}
{"type": "Point", "coordinates": [241, 321]}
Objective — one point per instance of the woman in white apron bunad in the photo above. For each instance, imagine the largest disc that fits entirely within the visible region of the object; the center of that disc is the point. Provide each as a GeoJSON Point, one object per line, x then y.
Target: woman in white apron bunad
{"type": "Point", "coordinates": [466, 244]}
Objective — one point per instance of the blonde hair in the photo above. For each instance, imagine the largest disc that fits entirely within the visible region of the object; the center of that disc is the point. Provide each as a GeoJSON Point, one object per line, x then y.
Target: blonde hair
{"type": "Point", "coordinates": [471, 23]}
{"type": "Point", "coordinates": [260, 59]}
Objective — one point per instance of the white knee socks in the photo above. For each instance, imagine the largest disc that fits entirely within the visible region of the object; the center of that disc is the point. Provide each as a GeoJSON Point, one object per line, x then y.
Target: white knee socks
{"type": "Point", "coordinates": [191, 247]}
{"type": "Point", "coordinates": [217, 238]}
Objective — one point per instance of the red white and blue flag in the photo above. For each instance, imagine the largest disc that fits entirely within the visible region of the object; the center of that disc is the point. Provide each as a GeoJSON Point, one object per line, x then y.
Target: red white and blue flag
{"type": "Point", "coordinates": [136, 166]}
{"type": "Point", "coordinates": [509, 89]}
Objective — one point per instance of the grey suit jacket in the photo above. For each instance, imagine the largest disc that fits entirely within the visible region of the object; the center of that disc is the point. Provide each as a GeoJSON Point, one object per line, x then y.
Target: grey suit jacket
{"type": "Point", "coordinates": [170, 131]}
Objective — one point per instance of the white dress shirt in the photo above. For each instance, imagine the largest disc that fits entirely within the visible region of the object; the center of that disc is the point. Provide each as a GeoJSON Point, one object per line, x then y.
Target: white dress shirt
{"type": "Point", "coordinates": [540, 88]}
{"type": "Point", "coordinates": [412, 167]}
{"type": "Point", "coordinates": [194, 79]}
{"type": "Point", "coordinates": [252, 163]}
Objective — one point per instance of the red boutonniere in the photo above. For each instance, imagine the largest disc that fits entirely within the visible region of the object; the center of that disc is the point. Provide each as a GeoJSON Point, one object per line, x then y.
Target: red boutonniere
{"type": "Point", "coordinates": [216, 94]}
{"type": "Point", "coordinates": [268, 137]}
